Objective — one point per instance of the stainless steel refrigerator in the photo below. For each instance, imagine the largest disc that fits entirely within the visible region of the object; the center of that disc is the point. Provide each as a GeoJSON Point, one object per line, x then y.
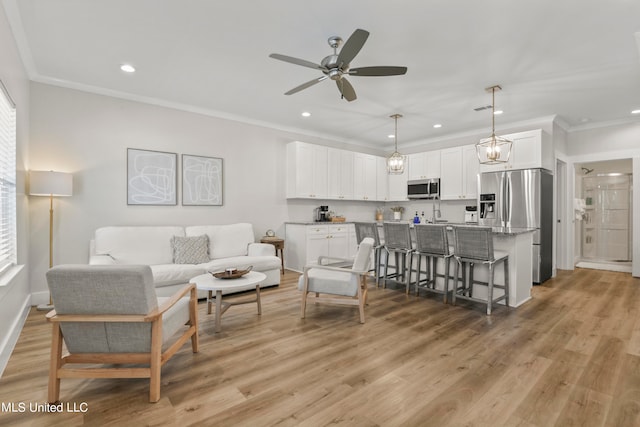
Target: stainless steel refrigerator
{"type": "Point", "coordinates": [521, 198]}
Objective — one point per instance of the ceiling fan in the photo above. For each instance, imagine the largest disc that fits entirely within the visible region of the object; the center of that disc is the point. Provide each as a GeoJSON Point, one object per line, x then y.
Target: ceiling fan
{"type": "Point", "coordinates": [336, 66]}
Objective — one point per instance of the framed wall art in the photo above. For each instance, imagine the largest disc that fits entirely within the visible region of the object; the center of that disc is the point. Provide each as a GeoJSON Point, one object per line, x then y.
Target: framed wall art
{"type": "Point", "coordinates": [201, 181]}
{"type": "Point", "coordinates": [151, 177]}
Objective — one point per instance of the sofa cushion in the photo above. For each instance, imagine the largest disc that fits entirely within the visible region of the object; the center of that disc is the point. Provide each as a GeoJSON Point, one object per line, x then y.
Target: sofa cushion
{"type": "Point", "coordinates": [190, 249]}
{"type": "Point", "coordinates": [137, 244]}
{"type": "Point", "coordinates": [225, 240]}
{"type": "Point", "coordinates": [259, 263]}
{"type": "Point", "coordinates": [175, 274]}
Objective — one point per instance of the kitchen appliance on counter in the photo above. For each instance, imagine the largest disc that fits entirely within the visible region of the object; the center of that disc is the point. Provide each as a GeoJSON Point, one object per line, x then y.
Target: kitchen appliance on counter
{"type": "Point", "coordinates": [423, 188]}
{"type": "Point", "coordinates": [471, 214]}
{"type": "Point", "coordinates": [521, 199]}
{"type": "Point", "coordinates": [321, 214]}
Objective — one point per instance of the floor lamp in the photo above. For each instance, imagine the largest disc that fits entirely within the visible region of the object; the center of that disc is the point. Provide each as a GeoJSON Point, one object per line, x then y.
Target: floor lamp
{"type": "Point", "coordinates": [51, 184]}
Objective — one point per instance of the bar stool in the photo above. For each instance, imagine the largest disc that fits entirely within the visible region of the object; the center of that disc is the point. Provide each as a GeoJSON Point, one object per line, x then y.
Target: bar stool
{"type": "Point", "coordinates": [397, 241]}
{"type": "Point", "coordinates": [474, 245]}
{"type": "Point", "coordinates": [432, 243]}
{"type": "Point", "coordinates": [370, 229]}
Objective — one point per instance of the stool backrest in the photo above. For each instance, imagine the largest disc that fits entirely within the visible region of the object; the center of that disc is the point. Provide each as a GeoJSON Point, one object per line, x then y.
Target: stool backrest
{"type": "Point", "coordinates": [367, 229]}
{"type": "Point", "coordinates": [432, 238]}
{"type": "Point", "coordinates": [473, 243]}
{"type": "Point", "coordinates": [397, 235]}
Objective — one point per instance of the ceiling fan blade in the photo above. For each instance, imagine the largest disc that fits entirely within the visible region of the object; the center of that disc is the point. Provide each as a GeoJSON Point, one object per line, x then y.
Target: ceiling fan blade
{"type": "Point", "coordinates": [305, 85]}
{"type": "Point", "coordinates": [352, 46]}
{"type": "Point", "coordinates": [378, 71]}
{"type": "Point", "coordinates": [297, 61]}
{"type": "Point", "coordinates": [346, 89]}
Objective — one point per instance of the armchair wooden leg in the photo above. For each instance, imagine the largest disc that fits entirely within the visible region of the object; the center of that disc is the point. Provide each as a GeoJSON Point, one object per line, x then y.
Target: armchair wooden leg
{"type": "Point", "coordinates": [55, 363]}
{"type": "Point", "coordinates": [361, 297]}
{"type": "Point", "coordinates": [193, 319]}
{"type": "Point", "coordinates": [303, 302]}
{"type": "Point", "coordinates": [155, 362]}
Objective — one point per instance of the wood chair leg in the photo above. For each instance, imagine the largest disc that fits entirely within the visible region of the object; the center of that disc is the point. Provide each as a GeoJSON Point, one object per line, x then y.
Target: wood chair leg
{"type": "Point", "coordinates": [55, 363]}
{"type": "Point", "coordinates": [155, 367]}
{"type": "Point", "coordinates": [193, 320]}
{"type": "Point", "coordinates": [303, 302]}
{"type": "Point", "coordinates": [361, 298]}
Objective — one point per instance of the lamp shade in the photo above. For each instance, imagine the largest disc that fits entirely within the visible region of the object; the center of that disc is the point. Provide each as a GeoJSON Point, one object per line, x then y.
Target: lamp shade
{"type": "Point", "coordinates": [50, 183]}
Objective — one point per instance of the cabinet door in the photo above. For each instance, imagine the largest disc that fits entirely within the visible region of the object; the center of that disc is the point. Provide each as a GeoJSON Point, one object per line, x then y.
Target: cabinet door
{"type": "Point", "coordinates": [382, 180]}
{"type": "Point", "coordinates": [417, 165]}
{"type": "Point", "coordinates": [398, 186]}
{"type": "Point", "coordinates": [526, 151]}
{"type": "Point", "coordinates": [432, 164]}
{"type": "Point", "coordinates": [451, 179]}
{"type": "Point", "coordinates": [470, 170]}
{"type": "Point", "coordinates": [365, 175]}
{"type": "Point", "coordinates": [317, 242]}
{"type": "Point", "coordinates": [306, 170]}
{"type": "Point", "coordinates": [338, 241]}
{"type": "Point", "coordinates": [340, 174]}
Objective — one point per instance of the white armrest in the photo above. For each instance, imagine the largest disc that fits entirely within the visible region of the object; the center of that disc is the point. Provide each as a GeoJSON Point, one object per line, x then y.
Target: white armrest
{"type": "Point", "coordinates": [333, 268]}
{"type": "Point", "coordinates": [261, 249]}
{"type": "Point", "coordinates": [102, 260]}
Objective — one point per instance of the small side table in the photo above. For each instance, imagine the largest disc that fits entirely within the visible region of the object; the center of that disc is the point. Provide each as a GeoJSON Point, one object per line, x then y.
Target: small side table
{"type": "Point", "coordinates": [277, 243]}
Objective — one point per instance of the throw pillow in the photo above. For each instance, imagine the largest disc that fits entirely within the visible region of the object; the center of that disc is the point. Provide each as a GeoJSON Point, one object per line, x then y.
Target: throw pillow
{"type": "Point", "coordinates": [190, 250]}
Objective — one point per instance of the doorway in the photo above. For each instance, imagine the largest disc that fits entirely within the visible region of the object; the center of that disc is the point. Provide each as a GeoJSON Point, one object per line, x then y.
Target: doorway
{"type": "Point", "coordinates": [604, 215]}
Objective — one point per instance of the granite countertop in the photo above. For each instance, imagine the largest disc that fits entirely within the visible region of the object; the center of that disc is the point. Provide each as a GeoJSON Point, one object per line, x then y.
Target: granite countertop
{"type": "Point", "coordinates": [505, 231]}
{"type": "Point", "coordinates": [318, 222]}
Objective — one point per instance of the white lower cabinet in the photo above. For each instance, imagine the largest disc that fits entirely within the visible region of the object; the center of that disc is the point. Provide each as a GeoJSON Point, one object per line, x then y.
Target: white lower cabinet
{"type": "Point", "coordinates": [304, 243]}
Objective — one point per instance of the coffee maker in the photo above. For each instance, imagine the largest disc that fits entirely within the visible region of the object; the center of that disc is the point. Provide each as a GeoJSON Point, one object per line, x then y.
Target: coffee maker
{"type": "Point", "coordinates": [322, 214]}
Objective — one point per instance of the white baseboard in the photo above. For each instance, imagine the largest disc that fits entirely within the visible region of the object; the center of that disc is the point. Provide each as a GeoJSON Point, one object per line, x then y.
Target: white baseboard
{"type": "Point", "coordinates": [6, 347]}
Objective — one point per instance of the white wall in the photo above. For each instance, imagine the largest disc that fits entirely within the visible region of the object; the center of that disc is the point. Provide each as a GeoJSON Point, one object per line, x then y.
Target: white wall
{"type": "Point", "coordinates": [15, 293]}
{"type": "Point", "coordinates": [88, 135]}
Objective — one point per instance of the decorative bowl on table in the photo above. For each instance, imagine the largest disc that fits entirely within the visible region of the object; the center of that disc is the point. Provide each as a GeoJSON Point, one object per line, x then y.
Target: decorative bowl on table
{"type": "Point", "coordinates": [231, 273]}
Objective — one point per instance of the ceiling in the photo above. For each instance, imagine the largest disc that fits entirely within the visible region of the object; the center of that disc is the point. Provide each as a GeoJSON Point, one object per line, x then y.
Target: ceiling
{"type": "Point", "coordinates": [575, 59]}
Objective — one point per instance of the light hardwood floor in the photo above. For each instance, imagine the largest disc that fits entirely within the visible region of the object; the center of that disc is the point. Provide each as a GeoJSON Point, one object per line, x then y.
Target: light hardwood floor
{"type": "Point", "coordinates": [568, 357]}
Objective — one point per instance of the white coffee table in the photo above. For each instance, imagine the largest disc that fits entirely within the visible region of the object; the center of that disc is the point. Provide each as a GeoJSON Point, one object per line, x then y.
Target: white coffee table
{"type": "Point", "coordinates": [211, 284]}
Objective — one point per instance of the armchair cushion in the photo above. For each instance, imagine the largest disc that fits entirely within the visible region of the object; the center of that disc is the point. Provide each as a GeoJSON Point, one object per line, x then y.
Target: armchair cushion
{"type": "Point", "coordinates": [330, 281]}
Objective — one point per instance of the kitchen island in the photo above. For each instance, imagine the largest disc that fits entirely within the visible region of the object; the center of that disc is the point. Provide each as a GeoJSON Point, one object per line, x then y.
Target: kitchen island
{"type": "Point", "coordinates": [518, 243]}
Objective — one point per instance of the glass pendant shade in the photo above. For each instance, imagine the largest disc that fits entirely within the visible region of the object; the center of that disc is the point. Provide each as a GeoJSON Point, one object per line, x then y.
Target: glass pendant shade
{"type": "Point", "coordinates": [495, 149]}
{"type": "Point", "coordinates": [395, 162]}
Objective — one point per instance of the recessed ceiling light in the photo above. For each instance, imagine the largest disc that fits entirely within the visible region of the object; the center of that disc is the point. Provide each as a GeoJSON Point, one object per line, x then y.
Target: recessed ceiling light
{"type": "Point", "coordinates": [437, 126]}
{"type": "Point", "coordinates": [635, 112]}
{"type": "Point", "coordinates": [391, 136]}
{"type": "Point", "coordinates": [498, 112]}
{"type": "Point", "coordinates": [128, 68]}
{"type": "Point", "coordinates": [306, 114]}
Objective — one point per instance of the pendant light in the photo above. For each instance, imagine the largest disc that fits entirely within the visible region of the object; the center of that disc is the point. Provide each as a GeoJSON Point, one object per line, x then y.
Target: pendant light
{"type": "Point", "coordinates": [395, 162]}
{"type": "Point", "coordinates": [493, 150]}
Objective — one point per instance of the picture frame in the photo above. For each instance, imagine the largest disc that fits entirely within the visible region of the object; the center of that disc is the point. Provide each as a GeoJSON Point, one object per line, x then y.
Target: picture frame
{"type": "Point", "coordinates": [152, 177]}
{"type": "Point", "coordinates": [202, 180]}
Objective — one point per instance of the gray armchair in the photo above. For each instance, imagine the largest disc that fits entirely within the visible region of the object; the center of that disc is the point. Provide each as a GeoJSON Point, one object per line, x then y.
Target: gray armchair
{"type": "Point", "coordinates": [344, 282]}
{"type": "Point", "coordinates": [111, 315]}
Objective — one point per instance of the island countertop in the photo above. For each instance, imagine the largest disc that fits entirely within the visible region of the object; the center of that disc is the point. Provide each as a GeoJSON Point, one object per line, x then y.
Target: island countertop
{"type": "Point", "coordinates": [507, 231]}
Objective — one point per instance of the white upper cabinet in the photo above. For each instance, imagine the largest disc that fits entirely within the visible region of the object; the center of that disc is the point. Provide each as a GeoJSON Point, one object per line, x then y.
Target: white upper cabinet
{"type": "Point", "coordinates": [398, 185]}
{"type": "Point", "coordinates": [382, 180]}
{"type": "Point", "coordinates": [459, 170]}
{"type": "Point", "coordinates": [340, 174]}
{"type": "Point", "coordinates": [530, 149]}
{"type": "Point", "coordinates": [307, 170]}
{"type": "Point", "coordinates": [424, 165]}
{"type": "Point", "coordinates": [365, 176]}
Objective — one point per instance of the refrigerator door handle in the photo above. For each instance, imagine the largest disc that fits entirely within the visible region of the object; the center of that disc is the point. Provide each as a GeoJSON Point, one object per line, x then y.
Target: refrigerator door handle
{"type": "Point", "coordinates": [507, 193]}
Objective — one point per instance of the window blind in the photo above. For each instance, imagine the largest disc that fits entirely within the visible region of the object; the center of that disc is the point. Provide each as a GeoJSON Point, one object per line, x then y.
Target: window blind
{"type": "Point", "coordinates": [7, 179]}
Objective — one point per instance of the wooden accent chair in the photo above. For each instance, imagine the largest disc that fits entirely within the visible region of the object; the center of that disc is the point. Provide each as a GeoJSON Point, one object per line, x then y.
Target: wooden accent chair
{"type": "Point", "coordinates": [111, 315]}
{"type": "Point", "coordinates": [344, 282]}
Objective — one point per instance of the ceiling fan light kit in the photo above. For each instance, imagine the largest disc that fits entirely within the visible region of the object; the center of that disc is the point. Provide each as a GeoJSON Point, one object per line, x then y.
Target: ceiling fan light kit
{"type": "Point", "coordinates": [395, 162]}
{"type": "Point", "coordinates": [336, 66]}
{"type": "Point", "coordinates": [495, 149]}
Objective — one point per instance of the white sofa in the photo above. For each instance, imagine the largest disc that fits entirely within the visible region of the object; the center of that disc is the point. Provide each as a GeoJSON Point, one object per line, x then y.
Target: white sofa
{"type": "Point", "coordinates": [230, 245]}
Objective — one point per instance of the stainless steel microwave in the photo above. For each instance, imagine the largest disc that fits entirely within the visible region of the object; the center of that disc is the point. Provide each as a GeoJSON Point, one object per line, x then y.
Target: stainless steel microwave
{"type": "Point", "coordinates": [423, 188]}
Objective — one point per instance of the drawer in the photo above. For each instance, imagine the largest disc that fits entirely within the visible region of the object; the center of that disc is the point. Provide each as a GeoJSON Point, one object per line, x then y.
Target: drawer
{"type": "Point", "coordinates": [338, 229]}
{"type": "Point", "coordinates": [316, 230]}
